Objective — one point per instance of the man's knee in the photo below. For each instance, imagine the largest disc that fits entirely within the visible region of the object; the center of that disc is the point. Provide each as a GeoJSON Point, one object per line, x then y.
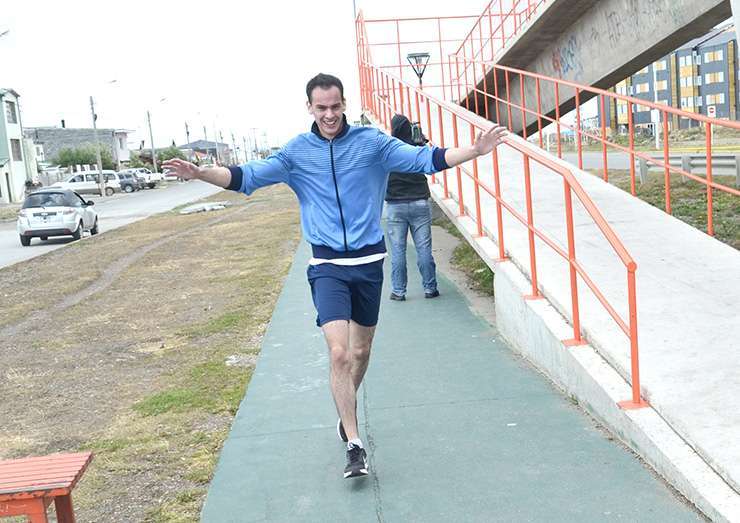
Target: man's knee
{"type": "Point", "coordinates": [339, 356]}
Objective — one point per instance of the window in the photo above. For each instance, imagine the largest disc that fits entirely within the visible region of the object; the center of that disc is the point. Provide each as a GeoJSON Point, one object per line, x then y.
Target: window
{"type": "Point", "coordinates": [698, 101]}
{"type": "Point", "coordinates": [15, 145]}
{"type": "Point", "coordinates": [621, 109]}
{"type": "Point", "coordinates": [687, 103]}
{"type": "Point", "coordinates": [714, 56]}
{"type": "Point", "coordinates": [687, 81]}
{"type": "Point", "coordinates": [715, 99]}
{"type": "Point", "coordinates": [711, 78]}
{"type": "Point", "coordinates": [661, 85]}
{"type": "Point", "coordinates": [642, 88]}
{"type": "Point", "coordinates": [11, 115]}
{"type": "Point", "coordinates": [644, 70]}
{"type": "Point", "coordinates": [661, 65]}
{"type": "Point", "coordinates": [121, 144]}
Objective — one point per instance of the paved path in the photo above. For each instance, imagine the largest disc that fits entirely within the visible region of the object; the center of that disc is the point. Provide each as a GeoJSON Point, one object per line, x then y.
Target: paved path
{"type": "Point", "coordinates": [457, 427]}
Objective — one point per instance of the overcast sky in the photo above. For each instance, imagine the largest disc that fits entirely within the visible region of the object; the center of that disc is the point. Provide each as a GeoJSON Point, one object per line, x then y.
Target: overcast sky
{"type": "Point", "coordinates": [226, 65]}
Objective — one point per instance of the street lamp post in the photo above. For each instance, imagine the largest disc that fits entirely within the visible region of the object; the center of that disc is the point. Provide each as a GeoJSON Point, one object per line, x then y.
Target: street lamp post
{"type": "Point", "coordinates": [101, 179]}
{"type": "Point", "coordinates": [418, 63]}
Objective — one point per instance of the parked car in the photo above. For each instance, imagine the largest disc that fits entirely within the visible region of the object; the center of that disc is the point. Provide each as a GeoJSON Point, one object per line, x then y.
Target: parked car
{"type": "Point", "coordinates": [149, 178]}
{"type": "Point", "coordinates": [87, 183]}
{"type": "Point", "coordinates": [170, 175]}
{"type": "Point", "coordinates": [129, 182]}
{"type": "Point", "coordinates": [55, 212]}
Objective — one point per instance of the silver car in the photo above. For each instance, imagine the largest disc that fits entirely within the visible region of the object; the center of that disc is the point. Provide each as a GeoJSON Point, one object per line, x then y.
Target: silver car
{"type": "Point", "coordinates": [55, 212]}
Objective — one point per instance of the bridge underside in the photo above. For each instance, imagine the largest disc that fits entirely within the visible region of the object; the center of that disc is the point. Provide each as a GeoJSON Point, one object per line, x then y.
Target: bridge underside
{"type": "Point", "coordinates": [610, 41]}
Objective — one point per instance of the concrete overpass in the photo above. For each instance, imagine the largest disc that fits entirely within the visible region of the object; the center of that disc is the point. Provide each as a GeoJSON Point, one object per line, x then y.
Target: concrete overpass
{"type": "Point", "coordinates": [609, 41]}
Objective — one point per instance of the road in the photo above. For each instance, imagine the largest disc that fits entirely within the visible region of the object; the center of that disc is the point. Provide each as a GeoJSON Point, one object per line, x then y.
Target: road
{"type": "Point", "coordinates": [114, 211]}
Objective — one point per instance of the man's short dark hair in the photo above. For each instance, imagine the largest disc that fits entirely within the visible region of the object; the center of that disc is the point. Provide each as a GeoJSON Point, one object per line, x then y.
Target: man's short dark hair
{"type": "Point", "coordinates": [325, 81]}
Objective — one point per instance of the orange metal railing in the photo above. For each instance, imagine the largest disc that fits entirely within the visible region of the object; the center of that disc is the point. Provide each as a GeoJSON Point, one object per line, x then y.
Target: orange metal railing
{"type": "Point", "coordinates": [384, 94]}
{"type": "Point", "coordinates": [500, 22]}
{"type": "Point", "coordinates": [503, 99]}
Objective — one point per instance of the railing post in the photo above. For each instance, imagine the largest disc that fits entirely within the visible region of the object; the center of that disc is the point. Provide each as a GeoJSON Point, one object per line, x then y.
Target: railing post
{"type": "Point", "coordinates": [429, 129]}
{"type": "Point", "coordinates": [476, 186]}
{"type": "Point", "coordinates": [578, 129]}
{"type": "Point", "coordinates": [475, 78]}
{"type": "Point", "coordinates": [636, 402]}
{"type": "Point", "coordinates": [442, 144]}
{"type": "Point", "coordinates": [485, 90]}
{"type": "Point", "coordinates": [631, 131]}
{"type": "Point", "coordinates": [495, 92]}
{"type": "Point", "coordinates": [441, 58]}
{"type": "Point", "coordinates": [710, 206]}
{"type": "Point", "coordinates": [457, 73]}
{"type": "Point", "coordinates": [523, 105]}
{"type": "Point", "coordinates": [666, 164]}
{"type": "Point", "coordinates": [457, 168]}
{"type": "Point", "coordinates": [530, 233]}
{"type": "Point", "coordinates": [557, 118]}
{"type": "Point", "coordinates": [539, 109]}
{"type": "Point", "coordinates": [577, 339]}
{"type": "Point", "coordinates": [508, 97]}
{"type": "Point", "coordinates": [603, 138]}
{"type": "Point", "coordinates": [499, 212]}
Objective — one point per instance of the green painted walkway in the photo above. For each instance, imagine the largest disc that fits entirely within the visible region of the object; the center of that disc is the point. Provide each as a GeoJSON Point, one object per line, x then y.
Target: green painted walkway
{"type": "Point", "coordinates": [457, 428]}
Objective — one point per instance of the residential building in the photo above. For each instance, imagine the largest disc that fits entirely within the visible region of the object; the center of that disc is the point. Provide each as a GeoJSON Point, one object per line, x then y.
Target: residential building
{"type": "Point", "coordinates": [205, 150]}
{"type": "Point", "coordinates": [13, 172]}
{"type": "Point", "coordinates": [50, 140]}
{"type": "Point", "coordinates": [700, 74]}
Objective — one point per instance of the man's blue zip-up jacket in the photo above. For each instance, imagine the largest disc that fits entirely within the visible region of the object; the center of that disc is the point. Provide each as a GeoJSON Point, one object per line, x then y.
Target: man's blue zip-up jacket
{"type": "Point", "coordinates": [340, 184]}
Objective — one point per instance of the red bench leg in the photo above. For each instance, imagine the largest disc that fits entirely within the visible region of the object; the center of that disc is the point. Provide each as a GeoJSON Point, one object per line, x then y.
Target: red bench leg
{"type": "Point", "coordinates": [65, 513]}
{"type": "Point", "coordinates": [37, 513]}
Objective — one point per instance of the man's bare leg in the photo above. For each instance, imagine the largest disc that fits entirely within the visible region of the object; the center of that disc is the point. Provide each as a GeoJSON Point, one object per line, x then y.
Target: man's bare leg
{"type": "Point", "coordinates": [360, 343]}
{"type": "Point", "coordinates": [337, 335]}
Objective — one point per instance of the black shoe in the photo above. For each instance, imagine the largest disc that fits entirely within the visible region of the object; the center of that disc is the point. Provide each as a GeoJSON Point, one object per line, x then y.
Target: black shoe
{"type": "Point", "coordinates": [396, 297]}
{"type": "Point", "coordinates": [356, 462]}
{"type": "Point", "coordinates": [340, 431]}
{"type": "Point", "coordinates": [433, 294]}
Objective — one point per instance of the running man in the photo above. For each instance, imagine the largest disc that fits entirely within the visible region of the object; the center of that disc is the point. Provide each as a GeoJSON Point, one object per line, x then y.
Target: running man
{"type": "Point", "coordinates": [339, 174]}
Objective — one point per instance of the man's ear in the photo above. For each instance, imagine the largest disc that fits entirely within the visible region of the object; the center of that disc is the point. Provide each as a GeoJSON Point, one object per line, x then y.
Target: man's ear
{"type": "Point", "coordinates": [308, 107]}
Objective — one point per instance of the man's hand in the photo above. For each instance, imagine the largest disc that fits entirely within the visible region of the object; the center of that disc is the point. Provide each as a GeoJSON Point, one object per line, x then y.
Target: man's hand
{"type": "Point", "coordinates": [183, 169]}
{"type": "Point", "coordinates": [486, 141]}
{"type": "Point", "coordinates": [484, 144]}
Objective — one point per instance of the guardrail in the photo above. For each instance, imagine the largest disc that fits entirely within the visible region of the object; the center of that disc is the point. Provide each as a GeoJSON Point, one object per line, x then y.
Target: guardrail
{"type": "Point", "coordinates": [378, 90]}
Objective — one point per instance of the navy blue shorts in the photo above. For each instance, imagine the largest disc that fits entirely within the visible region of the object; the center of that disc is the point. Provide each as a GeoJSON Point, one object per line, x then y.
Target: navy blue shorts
{"type": "Point", "coordinates": [346, 292]}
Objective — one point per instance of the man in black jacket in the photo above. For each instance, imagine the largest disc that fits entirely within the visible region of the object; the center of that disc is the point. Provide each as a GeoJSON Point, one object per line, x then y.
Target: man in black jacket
{"type": "Point", "coordinates": [408, 209]}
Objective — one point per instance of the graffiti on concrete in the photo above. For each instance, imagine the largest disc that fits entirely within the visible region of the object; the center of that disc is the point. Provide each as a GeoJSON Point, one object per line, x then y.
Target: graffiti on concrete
{"type": "Point", "coordinates": [566, 59]}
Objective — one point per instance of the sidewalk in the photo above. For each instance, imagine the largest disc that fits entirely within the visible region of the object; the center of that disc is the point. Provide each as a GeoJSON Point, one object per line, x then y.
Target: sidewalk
{"type": "Point", "coordinates": [455, 425]}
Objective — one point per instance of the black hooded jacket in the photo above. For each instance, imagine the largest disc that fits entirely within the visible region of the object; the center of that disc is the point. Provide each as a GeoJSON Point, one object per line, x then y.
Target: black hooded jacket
{"type": "Point", "coordinates": [405, 186]}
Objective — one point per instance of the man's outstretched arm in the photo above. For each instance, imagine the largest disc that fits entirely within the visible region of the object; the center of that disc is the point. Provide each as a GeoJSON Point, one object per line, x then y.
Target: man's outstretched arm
{"type": "Point", "coordinates": [220, 176]}
{"type": "Point", "coordinates": [484, 144]}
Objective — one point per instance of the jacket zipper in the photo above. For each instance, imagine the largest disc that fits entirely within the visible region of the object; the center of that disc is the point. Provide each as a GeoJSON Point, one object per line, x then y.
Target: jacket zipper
{"type": "Point", "coordinates": [336, 191]}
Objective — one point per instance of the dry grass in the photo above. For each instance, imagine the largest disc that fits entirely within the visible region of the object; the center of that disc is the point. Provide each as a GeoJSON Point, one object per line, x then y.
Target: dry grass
{"type": "Point", "coordinates": [137, 371]}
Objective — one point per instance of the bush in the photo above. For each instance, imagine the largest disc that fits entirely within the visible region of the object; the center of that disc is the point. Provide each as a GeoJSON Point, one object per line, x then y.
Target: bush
{"type": "Point", "coordinates": [85, 155]}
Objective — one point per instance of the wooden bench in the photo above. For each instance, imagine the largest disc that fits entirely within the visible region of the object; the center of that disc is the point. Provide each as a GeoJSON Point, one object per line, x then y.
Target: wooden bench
{"type": "Point", "coordinates": [29, 485]}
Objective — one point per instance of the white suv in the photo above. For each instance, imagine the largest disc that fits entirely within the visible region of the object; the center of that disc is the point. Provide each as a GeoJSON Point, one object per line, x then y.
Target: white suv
{"type": "Point", "coordinates": [87, 183]}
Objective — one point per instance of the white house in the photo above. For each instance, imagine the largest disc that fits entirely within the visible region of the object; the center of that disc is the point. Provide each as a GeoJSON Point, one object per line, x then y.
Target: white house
{"type": "Point", "coordinates": [13, 173]}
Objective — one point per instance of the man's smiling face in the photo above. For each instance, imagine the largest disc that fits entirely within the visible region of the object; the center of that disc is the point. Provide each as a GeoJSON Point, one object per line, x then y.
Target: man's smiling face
{"type": "Point", "coordinates": [327, 108]}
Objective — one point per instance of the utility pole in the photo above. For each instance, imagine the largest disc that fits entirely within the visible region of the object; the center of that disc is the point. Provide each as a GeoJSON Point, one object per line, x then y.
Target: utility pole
{"type": "Point", "coordinates": [215, 139]}
{"type": "Point", "coordinates": [235, 159]}
{"type": "Point", "coordinates": [187, 141]}
{"type": "Point", "coordinates": [205, 139]}
{"type": "Point", "coordinates": [101, 180]}
{"type": "Point", "coordinates": [254, 142]}
{"type": "Point", "coordinates": [151, 139]}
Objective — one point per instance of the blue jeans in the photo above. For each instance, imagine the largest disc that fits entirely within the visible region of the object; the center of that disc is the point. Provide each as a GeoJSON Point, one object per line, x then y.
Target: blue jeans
{"type": "Point", "coordinates": [416, 216]}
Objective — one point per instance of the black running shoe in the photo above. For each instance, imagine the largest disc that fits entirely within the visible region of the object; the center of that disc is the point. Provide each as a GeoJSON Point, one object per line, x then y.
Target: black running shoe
{"type": "Point", "coordinates": [356, 462]}
{"type": "Point", "coordinates": [340, 431]}
{"type": "Point", "coordinates": [397, 297]}
{"type": "Point", "coordinates": [432, 294]}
